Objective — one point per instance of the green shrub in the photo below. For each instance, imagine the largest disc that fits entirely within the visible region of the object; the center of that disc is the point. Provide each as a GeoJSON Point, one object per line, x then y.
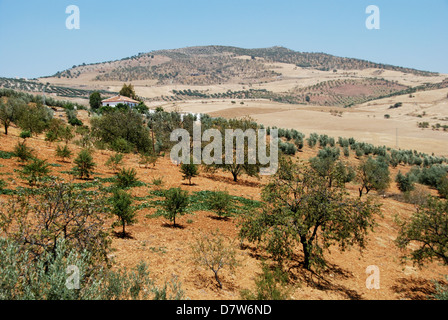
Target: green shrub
{"type": "Point", "coordinates": [189, 171]}
{"type": "Point", "coordinates": [121, 145]}
{"type": "Point", "coordinates": [270, 285]}
{"type": "Point", "coordinates": [114, 162]}
{"type": "Point", "coordinates": [63, 152]}
{"type": "Point", "coordinates": [406, 182]}
{"type": "Point", "coordinates": [122, 208]}
{"type": "Point", "coordinates": [84, 164]}
{"type": "Point", "coordinates": [442, 187]}
{"type": "Point", "coordinates": [35, 170]}
{"type": "Point", "coordinates": [25, 134]}
{"type": "Point", "coordinates": [221, 203]}
{"type": "Point", "coordinates": [175, 204]}
{"type": "Point", "coordinates": [126, 178]}
{"type": "Point", "coordinates": [23, 152]}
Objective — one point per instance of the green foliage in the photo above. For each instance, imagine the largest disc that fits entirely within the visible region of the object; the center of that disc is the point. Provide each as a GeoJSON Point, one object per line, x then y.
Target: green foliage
{"type": "Point", "coordinates": [126, 178]}
{"type": "Point", "coordinates": [58, 211]}
{"type": "Point", "coordinates": [147, 159]}
{"type": "Point", "coordinates": [114, 162]}
{"type": "Point", "coordinates": [213, 253]}
{"type": "Point", "coordinates": [430, 176]}
{"type": "Point", "coordinates": [300, 209]}
{"type": "Point", "coordinates": [328, 166]}
{"type": "Point", "coordinates": [22, 151]}
{"type": "Point", "coordinates": [6, 155]}
{"type": "Point", "coordinates": [128, 91]}
{"type": "Point", "coordinates": [157, 182]}
{"type": "Point", "coordinates": [441, 290]}
{"type": "Point", "coordinates": [123, 209]}
{"type": "Point", "coordinates": [46, 276]}
{"type": "Point", "coordinates": [373, 174]}
{"type": "Point", "coordinates": [270, 285]}
{"type": "Point", "coordinates": [189, 171]}
{"type": "Point", "coordinates": [35, 170]}
{"type": "Point", "coordinates": [35, 119]}
{"type": "Point", "coordinates": [406, 182]}
{"type": "Point", "coordinates": [250, 165]}
{"type": "Point", "coordinates": [84, 164]}
{"type": "Point", "coordinates": [287, 148]}
{"type": "Point", "coordinates": [175, 204]}
{"type": "Point", "coordinates": [11, 111]}
{"type": "Point", "coordinates": [25, 134]}
{"type": "Point", "coordinates": [95, 100]}
{"type": "Point", "coordinates": [428, 228]}
{"type": "Point", "coordinates": [221, 202]}
{"type": "Point", "coordinates": [63, 152]}
{"type": "Point", "coordinates": [123, 131]}
{"type": "Point", "coordinates": [442, 187]}
{"type": "Point", "coordinates": [312, 140]}
{"type": "Point", "coordinates": [3, 185]}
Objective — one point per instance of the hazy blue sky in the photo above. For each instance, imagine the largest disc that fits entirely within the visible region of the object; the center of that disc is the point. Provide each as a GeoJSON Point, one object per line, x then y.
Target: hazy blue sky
{"type": "Point", "coordinates": [34, 40]}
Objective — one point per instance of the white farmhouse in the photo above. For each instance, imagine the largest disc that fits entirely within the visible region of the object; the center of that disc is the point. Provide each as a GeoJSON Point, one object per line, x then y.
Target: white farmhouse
{"type": "Point", "coordinates": [112, 102]}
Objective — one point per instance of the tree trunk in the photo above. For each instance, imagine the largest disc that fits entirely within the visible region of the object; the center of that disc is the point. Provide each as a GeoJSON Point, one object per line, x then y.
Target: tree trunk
{"type": "Point", "coordinates": [217, 279]}
{"type": "Point", "coordinates": [235, 176]}
{"type": "Point", "coordinates": [306, 254]}
{"type": "Point", "coordinates": [124, 232]}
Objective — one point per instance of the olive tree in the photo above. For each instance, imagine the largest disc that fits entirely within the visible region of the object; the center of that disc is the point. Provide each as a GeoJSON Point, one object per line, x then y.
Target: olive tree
{"type": "Point", "coordinates": [301, 210]}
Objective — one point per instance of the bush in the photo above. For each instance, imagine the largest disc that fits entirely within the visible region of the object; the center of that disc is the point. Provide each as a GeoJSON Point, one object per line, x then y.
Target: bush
{"type": "Point", "coordinates": [147, 159]}
{"type": "Point", "coordinates": [114, 162]}
{"type": "Point", "coordinates": [35, 170]}
{"type": "Point", "coordinates": [221, 203]}
{"type": "Point", "coordinates": [405, 182]}
{"type": "Point", "coordinates": [23, 152]}
{"type": "Point", "coordinates": [175, 204]}
{"type": "Point", "coordinates": [442, 187]}
{"type": "Point", "coordinates": [441, 291]}
{"type": "Point", "coordinates": [121, 145]}
{"type": "Point", "coordinates": [189, 171]}
{"type": "Point", "coordinates": [122, 208]}
{"type": "Point", "coordinates": [287, 148]}
{"type": "Point", "coordinates": [25, 134]}
{"type": "Point", "coordinates": [270, 285]}
{"type": "Point", "coordinates": [84, 164]}
{"type": "Point", "coordinates": [211, 252]}
{"type": "Point", "coordinates": [63, 152]}
{"type": "Point", "coordinates": [45, 277]}
{"type": "Point", "coordinates": [126, 178]}
{"type": "Point", "coordinates": [427, 230]}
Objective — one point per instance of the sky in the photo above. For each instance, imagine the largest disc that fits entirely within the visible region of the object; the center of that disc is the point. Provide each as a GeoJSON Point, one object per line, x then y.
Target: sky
{"type": "Point", "coordinates": [35, 41]}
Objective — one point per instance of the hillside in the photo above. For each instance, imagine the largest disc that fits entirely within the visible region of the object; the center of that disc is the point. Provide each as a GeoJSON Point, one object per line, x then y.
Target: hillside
{"type": "Point", "coordinates": [218, 64]}
{"type": "Point", "coordinates": [168, 251]}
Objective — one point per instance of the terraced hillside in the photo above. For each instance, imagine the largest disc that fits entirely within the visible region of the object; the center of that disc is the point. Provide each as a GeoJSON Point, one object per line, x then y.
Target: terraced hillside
{"type": "Point", "coordinates": [35, 86]}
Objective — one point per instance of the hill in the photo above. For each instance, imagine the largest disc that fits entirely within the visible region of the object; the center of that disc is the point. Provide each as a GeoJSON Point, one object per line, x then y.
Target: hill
{"type": "Point", "coordinates": [218, 64]}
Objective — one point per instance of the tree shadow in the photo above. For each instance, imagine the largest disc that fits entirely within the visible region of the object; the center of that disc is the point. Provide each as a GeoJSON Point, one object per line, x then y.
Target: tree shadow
{"type": "Point", "coordinates": [230, 180]}
{"type": "Point", "coordinates": [173, 226]}
{"type": "Point", "coordinates": [218, 218]}
{"type": "Point", "coordinates": [324, 280]}
{"type": "Point", "coordinates": [414, 288]}
{"type": "Point", "coordinates": [189, 185]}
{"type": "Point", "coordinates": [119, 234]}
